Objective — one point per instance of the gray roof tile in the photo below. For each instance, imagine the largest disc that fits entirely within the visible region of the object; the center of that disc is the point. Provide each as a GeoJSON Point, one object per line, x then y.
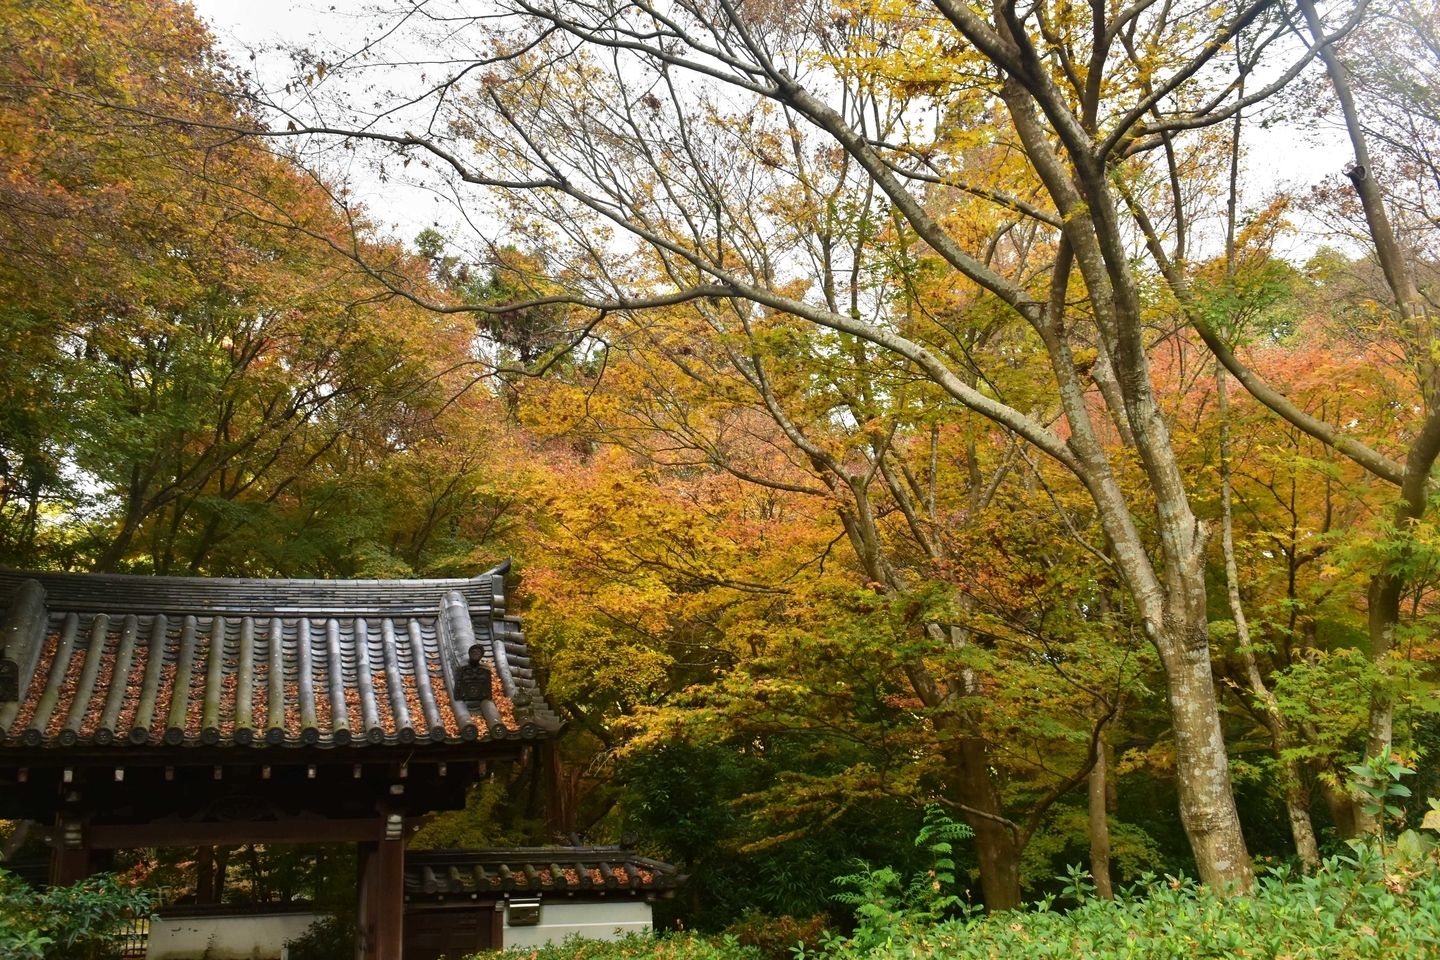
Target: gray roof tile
{"type": "Point", "coordinates": [131, 660]}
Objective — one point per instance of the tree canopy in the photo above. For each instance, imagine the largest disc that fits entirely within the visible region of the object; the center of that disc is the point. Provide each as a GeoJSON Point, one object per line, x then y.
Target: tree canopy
{"type": "Point", "coordinates": [888, 405]}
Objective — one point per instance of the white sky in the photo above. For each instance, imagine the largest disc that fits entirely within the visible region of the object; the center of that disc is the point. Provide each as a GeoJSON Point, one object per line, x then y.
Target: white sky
{"type": "Point", "coordinates": [266, 21]}
{"type": "Point", "coordinates": [244, 25]}
{"type": "Point", "coordinates": [1281, 156]}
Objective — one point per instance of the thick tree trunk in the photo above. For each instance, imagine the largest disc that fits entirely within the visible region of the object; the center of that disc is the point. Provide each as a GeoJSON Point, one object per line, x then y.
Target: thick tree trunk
{"type": "Point", "coordinates": [995, 847]}
{"type": "Point", "coordinates": [1342, 806]}
{"type": "Point", "coordinates": [1202, 767]}
{"type": "Point", "coordinates": [1100, 824]}
{"type": "Point", "coordinates": [1173, 609]}
{"type": "Point", "coordinates": [967, 764]}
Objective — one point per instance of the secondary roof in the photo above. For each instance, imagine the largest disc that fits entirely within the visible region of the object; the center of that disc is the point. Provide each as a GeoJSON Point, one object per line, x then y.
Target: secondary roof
{"type": "Point", "coordinates": [500, 871]}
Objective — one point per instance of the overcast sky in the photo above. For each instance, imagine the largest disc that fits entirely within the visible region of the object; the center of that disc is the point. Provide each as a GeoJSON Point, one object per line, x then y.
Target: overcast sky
{"type": "Point", "coordinates": [258, 21]}
{"type": "Point", "coordinates": [1280, 156]}
{"type": "Point", "coordinates": [243, 25]}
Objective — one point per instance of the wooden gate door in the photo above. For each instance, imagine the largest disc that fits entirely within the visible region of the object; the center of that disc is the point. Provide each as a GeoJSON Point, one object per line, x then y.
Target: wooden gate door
{"type": "Point", "coordinates": [449, 933]}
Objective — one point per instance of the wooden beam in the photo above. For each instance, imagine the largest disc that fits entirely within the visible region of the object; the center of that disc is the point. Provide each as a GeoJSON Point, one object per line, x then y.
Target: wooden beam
{"type": "Point", "coordinates": [233, 833]}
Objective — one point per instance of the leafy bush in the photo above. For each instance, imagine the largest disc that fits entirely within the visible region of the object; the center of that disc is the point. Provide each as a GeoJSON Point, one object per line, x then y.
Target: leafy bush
{"type": "Point", "coordinates": [78, 922]}
{"type": "Point", "coordinates": [639, 946]}
{"type": "Point", "coordinates": [1365, 905]}
{"type": "Point", "coordinates": [329, 938]}
{"type": "Point", "coordinates": [777, 937]}
{"type": "Point", "coordinates": [929, 895]}
{"type": "Point", "coordinates": [1362, 905]}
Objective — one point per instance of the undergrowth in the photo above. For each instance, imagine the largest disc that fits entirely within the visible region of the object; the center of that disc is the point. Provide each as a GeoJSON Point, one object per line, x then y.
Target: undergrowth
{"type": "Point", "coordinates": [85, 921]}
{"type": "Point", "coordinates": [1376, 902]}
{"type": "Point", "coordinates": [1364, 905]}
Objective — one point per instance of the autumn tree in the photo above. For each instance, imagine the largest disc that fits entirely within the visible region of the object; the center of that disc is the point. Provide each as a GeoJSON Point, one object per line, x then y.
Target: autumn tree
{"type": "Point", "coordinates": [707, 135]}
{"type": "Point", "coordinates": [185, 344]}
{"type": "Point", "coordinates": [926, 503]}
{"type": "Point", "coordinates": [1387, 105]}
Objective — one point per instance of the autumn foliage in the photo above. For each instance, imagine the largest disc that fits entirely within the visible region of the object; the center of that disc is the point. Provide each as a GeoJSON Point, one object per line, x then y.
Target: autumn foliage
{"type": "Point", "coordinates": [844, 511]}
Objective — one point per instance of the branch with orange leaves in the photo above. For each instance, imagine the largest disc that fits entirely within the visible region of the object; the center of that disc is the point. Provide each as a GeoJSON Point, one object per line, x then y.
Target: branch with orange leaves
{"type": "Point", "coordinates": [1327, 433]}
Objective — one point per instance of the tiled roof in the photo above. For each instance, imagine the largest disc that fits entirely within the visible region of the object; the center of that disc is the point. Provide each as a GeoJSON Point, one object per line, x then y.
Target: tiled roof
{"type": "Point", "coordinates": [131, 660]}
{"type": "Point", "coordinates": [535, 870]}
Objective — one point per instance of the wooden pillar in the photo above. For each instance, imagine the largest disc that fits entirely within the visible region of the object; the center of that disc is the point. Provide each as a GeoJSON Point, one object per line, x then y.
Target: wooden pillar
{"type": "Point", "coordinates": [382, 897]}
{"type": "Point", "coordinates": [205, 875]}
{"type": "Point", "coordinates": [497, 926]}
{"type": "Point", "coordinates": [389, 899]}
{"type": "Point", "coordinates": [70, 863]}
{"type": "Point", "coordinates": [364, 913]}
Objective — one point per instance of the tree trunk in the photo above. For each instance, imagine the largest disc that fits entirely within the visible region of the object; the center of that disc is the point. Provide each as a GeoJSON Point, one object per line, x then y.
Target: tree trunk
{"type": "Point", "coordinates": [16, 840]}
{"type": "Point", "coordinates": [1386, 588]}
{"type": "Point", "coordinates": [967, 765]}
{"type": "Point", "coordinates": [1202, 767]}
{"type": "Point", "coordinates": [1384, 617]}
{"type": "Point", "coordinates": [1297, 801]}
{"type": "Point", "coordinates": [559, 793]}
{"type": "Point", "coordinates": [1100, 824]}
{"type": "Point", "coordinates": [1297, 807]}
{"type": "Point", "coordinates": [118, 547]}
{"type": "Point", "coordinates": [1170, 597]}
{"type": "Point", "coordinates": [1343, 808]}
{"type": "Point", "coordinates": [966, 753]}
{"type": "Point", "coordinates": [222, 866]}
{"type": "Point", "coordinates": [995, 847]}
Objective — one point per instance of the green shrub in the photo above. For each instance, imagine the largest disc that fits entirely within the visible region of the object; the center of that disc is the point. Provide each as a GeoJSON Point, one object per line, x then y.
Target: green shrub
{"type": "Point", "coordinates": [638, 946]}
{"type": "Point", "coordinates": [1379, 901]}
{"type": "Point", "coordinates": [777, 937]}
{"type": "Point", "coordinates": [78, 922]}
{"type": "Point", "coordinates": [1361, 905]}
{"type": "Point", "coordinates": [329, 938]}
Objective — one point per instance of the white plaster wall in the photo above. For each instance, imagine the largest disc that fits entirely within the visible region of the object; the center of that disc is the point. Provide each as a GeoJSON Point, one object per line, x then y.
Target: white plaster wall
{"type": "Point", "coordinates": [607, 920]}
{"type": "Point", "coordinates": [225, 938]}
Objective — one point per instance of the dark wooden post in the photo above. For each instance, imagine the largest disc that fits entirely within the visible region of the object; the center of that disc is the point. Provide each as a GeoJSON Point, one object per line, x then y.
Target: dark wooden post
{"type": "Point", "coordinates": [365, 911]}
{"type": "Point", "coordinates": [70, 863]}
{"type": "Point", "coordinates": [205, 875]}
{"type": "Point", "coordinates": [389, 899]}
{"type": "Point", "coordinates": [382, 896]}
